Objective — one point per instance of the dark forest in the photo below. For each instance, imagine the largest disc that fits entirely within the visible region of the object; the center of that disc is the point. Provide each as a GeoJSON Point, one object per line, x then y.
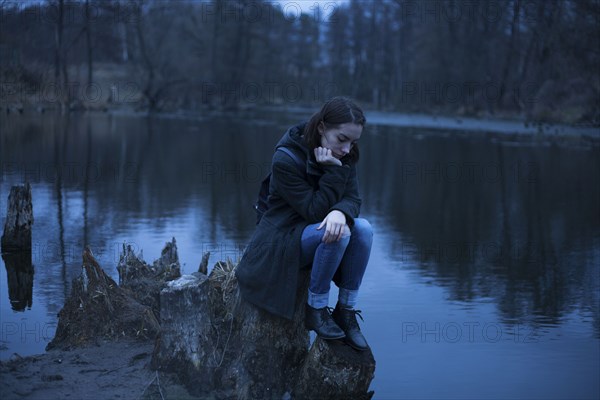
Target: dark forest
{"type": "Point", "coordinates": [534, 59]}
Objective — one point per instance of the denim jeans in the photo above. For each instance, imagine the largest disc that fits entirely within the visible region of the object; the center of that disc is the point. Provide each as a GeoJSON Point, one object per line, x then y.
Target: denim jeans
{"type": "Point", "coordinates": [350, 255]}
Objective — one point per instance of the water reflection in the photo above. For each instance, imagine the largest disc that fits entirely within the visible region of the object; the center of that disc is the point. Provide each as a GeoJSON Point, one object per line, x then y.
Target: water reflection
{"type": "Point", "coordinates": [500, 227]}
{"type": "Point", "coordinates": [479, 214]}
{"type": "Point", "coordinates": [487, 220]}
{"type": "Point", "coordinates": [19, 276]}
{"type": "Point", "coordinates": [61, 133]}
{"type": "Point", "coordinates": [101, 177]}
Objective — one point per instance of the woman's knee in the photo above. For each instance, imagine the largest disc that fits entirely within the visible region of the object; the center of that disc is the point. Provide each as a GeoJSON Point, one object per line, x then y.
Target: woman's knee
{"type": "Point", "coordinates": [346, 232]}
{"type": "Point", "coordinates": [340, 244]}
{"type": "Point", "coordinates": [362, 227]}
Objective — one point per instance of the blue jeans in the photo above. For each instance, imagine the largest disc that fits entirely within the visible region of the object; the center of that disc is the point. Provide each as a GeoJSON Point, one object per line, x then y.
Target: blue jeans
{"type": "Point", "coordinates": [346, 259]}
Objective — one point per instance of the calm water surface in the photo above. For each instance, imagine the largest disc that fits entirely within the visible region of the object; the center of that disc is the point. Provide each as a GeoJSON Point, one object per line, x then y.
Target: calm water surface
{"type": "Point", "coordinates": [483, 282]}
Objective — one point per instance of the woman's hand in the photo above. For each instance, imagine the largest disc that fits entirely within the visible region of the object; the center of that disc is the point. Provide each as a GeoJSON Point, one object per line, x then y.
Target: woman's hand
{"type": "Point", "coordinates": [325, 157]}
{"type": "Point", "coordinates": [335, 226]}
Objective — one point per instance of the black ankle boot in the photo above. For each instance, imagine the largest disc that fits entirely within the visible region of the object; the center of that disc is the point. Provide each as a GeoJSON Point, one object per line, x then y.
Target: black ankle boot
{"type": "Point", "coordinates": [320, 321]}
{"type": "Point", "coordinates": [346, 319]}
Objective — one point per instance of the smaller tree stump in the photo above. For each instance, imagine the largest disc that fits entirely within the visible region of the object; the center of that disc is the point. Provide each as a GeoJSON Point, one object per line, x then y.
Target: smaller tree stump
{"type": "Point", "coordinates": [19, 219]}
{"type": "Point", "coordinates": [144, 281]}
{"type": "Point", "coordinates": [99, 309]}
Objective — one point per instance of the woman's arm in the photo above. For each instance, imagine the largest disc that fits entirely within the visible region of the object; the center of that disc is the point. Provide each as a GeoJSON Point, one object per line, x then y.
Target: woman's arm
{"type": "Point", "coordinates": [312, 205]}
{"type": "Point", "coordinates": [351, 201]}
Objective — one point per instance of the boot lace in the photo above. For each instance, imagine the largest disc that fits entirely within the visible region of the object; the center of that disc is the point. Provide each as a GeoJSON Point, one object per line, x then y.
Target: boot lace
{"type": "Point", "coordinates": [349, 316]}
{"type": "Point", "coordinates": [358, 312]}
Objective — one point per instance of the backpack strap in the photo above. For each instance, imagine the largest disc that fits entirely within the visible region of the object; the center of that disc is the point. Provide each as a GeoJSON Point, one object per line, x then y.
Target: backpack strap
{"type": "Point", "coordinates": [301, 165]}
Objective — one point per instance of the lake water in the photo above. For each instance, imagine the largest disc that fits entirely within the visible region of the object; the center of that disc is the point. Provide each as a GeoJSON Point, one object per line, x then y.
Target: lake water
{"type": "Point", "coordinates": [484, 278]}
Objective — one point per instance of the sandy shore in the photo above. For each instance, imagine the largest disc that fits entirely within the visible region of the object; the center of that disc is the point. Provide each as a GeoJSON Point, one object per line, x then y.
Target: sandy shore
{"type": "Point", "coordinates": [112, 370]}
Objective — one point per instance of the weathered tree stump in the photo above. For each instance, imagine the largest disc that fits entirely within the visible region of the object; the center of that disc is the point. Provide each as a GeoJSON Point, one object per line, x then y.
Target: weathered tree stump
{"type": "Point", "coordinates": [144, 281]}
{"type": "Point", "coordinates": [99, 309]}
{"type": "Point", "coordinates": [217, 345]}
{"type": "Point", "coordinates": [19, 219]}
{"type": "Point", "coordinates": [16, 247]}
{"type": "Point", "coordinates": [333, 370]}
{"type": "Point", "coordinates": [223, 347]}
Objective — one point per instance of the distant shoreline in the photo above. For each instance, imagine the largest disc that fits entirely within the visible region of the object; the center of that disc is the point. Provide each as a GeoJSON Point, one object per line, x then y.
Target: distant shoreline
{"type": "Point", "coordinates": [374, 117]}
{"type": "Point", "coordinates": [493, 125]}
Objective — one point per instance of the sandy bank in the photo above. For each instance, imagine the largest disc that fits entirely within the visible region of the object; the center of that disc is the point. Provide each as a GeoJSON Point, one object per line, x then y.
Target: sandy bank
{"type": "Point", "coordinates": [112, 370]}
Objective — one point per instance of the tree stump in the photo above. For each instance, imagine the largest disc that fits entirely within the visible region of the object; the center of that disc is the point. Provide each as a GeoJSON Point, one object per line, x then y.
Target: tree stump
{"type": "Point", "coordinates": [224, 347]}
{"type": "Point", "coordinates": [98, 309]}
{"type": "Point", "coordinates": [217, 345]}
{"type": "Point", "coordinates": [19, 219]}
{"type": "Point", "coordinates": [144, 281]}
{"type": "Point", "coordinates": [333, 370]}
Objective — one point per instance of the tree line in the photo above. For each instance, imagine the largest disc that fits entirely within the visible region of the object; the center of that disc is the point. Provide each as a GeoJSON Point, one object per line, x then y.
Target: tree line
{"type": "Point", "coordinates": [534, 58]}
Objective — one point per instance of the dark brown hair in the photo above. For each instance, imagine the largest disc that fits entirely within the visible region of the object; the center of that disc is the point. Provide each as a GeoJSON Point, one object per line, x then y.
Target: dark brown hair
{"type": "Point", "coordinates": [336, 111]}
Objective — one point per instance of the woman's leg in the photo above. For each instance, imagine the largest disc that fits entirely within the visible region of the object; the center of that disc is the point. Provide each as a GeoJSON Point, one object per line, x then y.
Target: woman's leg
{"type": "Point", "coordinates": [349, 277]}
{"type": "Point", "coordinates": [325, 258]}
{"type": "Point", "coordinates": [354, 262]}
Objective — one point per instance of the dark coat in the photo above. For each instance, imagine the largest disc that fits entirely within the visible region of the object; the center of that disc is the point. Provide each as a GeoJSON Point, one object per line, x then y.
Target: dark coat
{"type": "Point", "coordinates": [268, 271]}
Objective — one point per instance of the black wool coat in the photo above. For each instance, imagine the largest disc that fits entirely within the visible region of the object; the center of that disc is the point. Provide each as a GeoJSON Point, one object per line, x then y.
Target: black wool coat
{"type": "Point", "coordinates": [268, 271]}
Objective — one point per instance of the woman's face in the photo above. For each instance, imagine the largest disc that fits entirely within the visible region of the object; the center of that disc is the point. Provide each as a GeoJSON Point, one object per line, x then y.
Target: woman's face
{"type": "Point", "coordinates": [340, 139]}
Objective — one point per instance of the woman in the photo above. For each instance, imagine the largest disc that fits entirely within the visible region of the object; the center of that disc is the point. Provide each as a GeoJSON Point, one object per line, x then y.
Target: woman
{"type": "Point", "coordinates": [312, 220]}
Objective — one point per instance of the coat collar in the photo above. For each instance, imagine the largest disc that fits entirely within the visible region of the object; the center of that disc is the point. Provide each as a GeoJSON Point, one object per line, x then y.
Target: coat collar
{"type": "Point", "coordinates": [293, 140]}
